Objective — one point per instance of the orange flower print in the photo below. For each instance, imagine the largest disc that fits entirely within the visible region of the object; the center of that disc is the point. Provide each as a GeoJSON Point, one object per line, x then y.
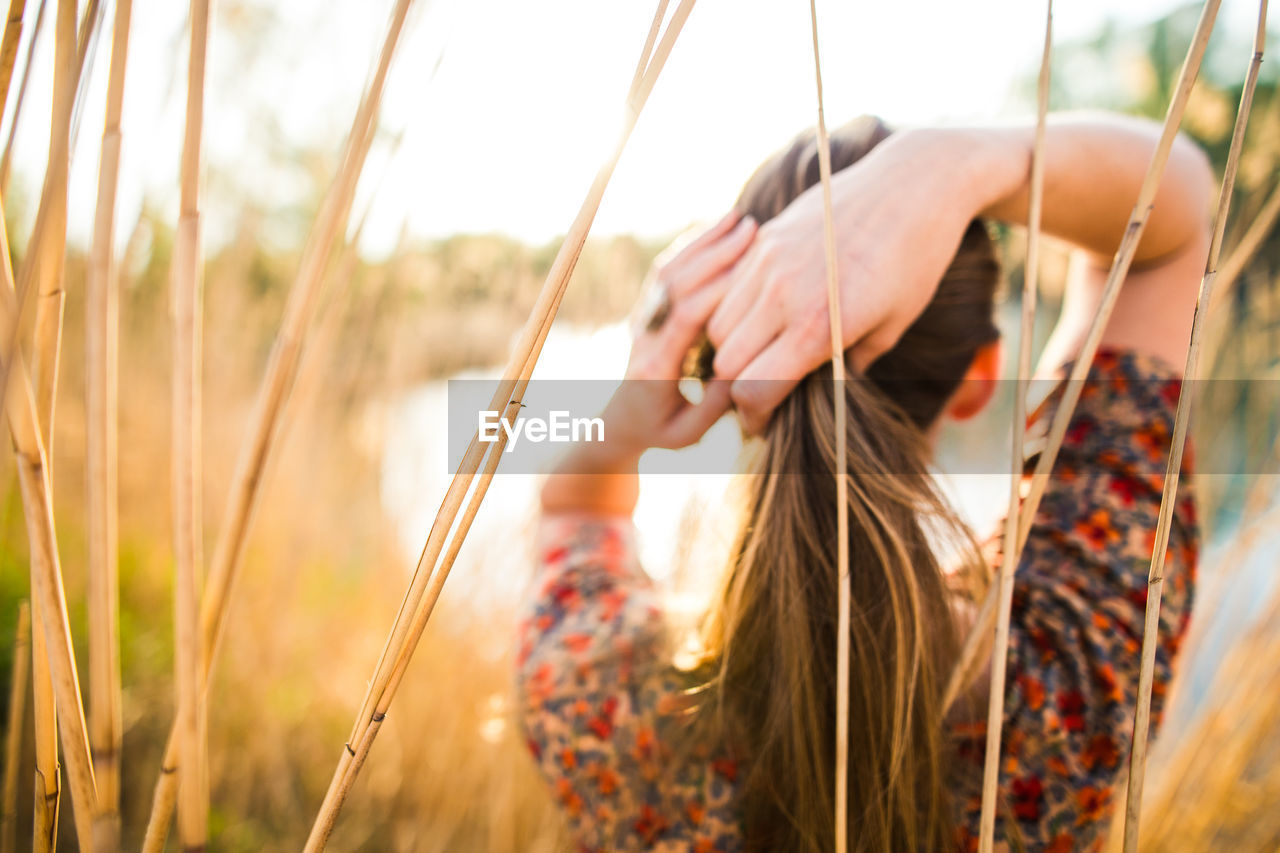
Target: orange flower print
{"type": "Point", "coordinates": [1062, 843]}
{"type": "Point", "coordinates": [1094, 804]}
{"type": "Point", "coordinates": [650, 824]}
{"type": "Point", "coordinates": [1126, 489]}
{"type": "Point", "coordinates": [1071, 706]}
{"type": "Point", "coordinates": [726, 768]}
{"type": "Point", "coordinates": [1032, 691]}
{"type": "Point", "coordinates": [1101, 751]}
{"type": "Point", "coordinates": [1097, 529]}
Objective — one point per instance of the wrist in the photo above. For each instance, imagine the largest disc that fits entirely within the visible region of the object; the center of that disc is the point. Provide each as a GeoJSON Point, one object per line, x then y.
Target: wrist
{"type": "Point", "coordinates": [609, 456]}
{"type": "Point", "coordinates": [977, 170]}
{"type": "Point", "coordinates": [593, 478]}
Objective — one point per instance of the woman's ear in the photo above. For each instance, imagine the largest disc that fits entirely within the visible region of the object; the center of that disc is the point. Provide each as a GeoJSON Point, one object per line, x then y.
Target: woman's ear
{"type": "Point", "coordinates": [979, 383]}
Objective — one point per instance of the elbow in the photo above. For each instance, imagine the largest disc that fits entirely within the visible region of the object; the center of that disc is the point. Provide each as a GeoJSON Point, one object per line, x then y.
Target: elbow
{"type": "Point", "coordinates": [1182, 209]}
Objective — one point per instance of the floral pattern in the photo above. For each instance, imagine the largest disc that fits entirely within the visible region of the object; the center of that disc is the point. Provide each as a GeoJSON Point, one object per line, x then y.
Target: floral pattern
{"type": "Point", "coordinates": [600, 700]}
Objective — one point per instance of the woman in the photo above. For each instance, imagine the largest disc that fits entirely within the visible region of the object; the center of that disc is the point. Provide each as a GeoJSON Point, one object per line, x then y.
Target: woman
{"type": "Point", "coordinates": [736, 752]}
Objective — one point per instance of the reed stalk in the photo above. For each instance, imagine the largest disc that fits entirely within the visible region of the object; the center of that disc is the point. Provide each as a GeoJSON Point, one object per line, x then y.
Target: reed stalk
{"type": "Point", "coordinates": [1254, 520]}
{"type": "Point", "coordinates": [48, 777]}
{"type": "Point", "coordinates": [6, 157]}
{"type": "Point", "coordinates": [102, 325]}
{"type": "Point", "coordinates": [266, 422]}
{"type": "Point", "coordinates": [54, 632]}
{"type": "Point", "coordinates": [360, 753]}
{"type": "Point", "coordinates": [13, 732]}
{"type": "Point", "coordinates": [1168, 500]}
{"type": "Point", "coordinates": [983, 630]}
{"type": "Point", "coordinates": [191, 718]}
{"type": "Point", "coordinates": [646, 52]}
{"type": "Point", "coordinates": [86, 48]}
{"type": "Point", "coordinates": [1245, 251]}
{"type": "Point", "coordinates": [42, 272]}
{"type": "Point", "coordinates": [844, 603]}
{"type": "Point", "coordinates": [1030, 277]}
{"type": "Point", "coordinates": [414, 612]}
{"type": "Point", "coordinates": [44, 263]}
{"type": "Point", "coordinates": [9, 48]}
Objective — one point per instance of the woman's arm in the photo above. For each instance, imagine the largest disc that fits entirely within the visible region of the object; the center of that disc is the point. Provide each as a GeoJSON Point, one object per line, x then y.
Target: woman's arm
{"type": "Point", "coordinates": [1094, 166]}
{"type": "Point", "coordinates": [900, 213]}
{"type": "Point", "coordinates": [648, 409]}
{"type": "Point", "coordinates": [1094, 169]}
{"type": "Point", "coordinates": [596, 480]}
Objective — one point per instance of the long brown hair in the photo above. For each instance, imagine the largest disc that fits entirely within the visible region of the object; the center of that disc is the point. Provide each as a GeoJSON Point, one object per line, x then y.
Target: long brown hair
{"type": "Point", "coordinates": [769, 640]}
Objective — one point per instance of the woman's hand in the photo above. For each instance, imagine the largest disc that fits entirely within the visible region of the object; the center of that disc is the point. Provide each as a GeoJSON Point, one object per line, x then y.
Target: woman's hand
{"type": "Point", "coordinates": [648, 409]}
{"type": "Point", "coordinates": [899, 216]}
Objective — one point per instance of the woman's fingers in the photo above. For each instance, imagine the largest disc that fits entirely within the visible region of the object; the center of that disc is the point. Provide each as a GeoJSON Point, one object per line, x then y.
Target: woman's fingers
{"type": "Point", "coordinates": [744, 290]}
{"type": "Point", "coordinates": [764, 383]}
{"type": "Point", "coordinates": [692, 422]}
{"type": "Point", "coordinates": [748, 339]}
{"type": "Point", "coordinates": [715, 232]}
{"type": "Point", "coordinates": [685, 322]}
{"type": "Point", "coordinates": [706, 258]}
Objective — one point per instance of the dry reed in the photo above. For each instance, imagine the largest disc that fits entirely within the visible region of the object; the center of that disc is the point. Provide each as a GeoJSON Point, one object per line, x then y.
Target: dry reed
{"type": "Point", "coordinates": [425, 585]}
{"type": "Point", "coordinates": [1074, 385]}
{"type": "Point", "coordinates": [1155, 578]}
{"type": "Point", "coordinates": [48, 788]}
{"type": "Point", "coordinates": [1030, 276]}
{"type": "Point", "coordinates": [47, 591]}
{"type": "Point", "coordinates": [277, 384]}
{"type": "Point", "coordinates": [86, 47]}
{"type": "Point", "coordinates": [42, 270]}
{"type": "Point", "coordinates": [101, 440]}
{"type": "Point", "coordinates": [43, 267]}
{"type": "Point", "coordinates": [9, 48]}
{"type": "Point", "coordinates": [6, 157]}
{"type": "Point", "coordinates": [1252, 523]}
{"type": "Point", "coordinates": [843, 603]}
{"type": "Point", "coordinates": [187, 314]}
{"type": "Point", "coordinates": [1254, 238]}
{"type": "Point", "coordinates": [13, 730]}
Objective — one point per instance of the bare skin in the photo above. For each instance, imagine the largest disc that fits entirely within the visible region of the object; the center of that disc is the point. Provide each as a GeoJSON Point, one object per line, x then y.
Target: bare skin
{"type": "Point", "coordinates": [900, 212]}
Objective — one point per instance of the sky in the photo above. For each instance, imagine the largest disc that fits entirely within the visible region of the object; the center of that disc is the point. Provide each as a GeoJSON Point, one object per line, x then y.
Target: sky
{"type": "Point", "coordinates": [506, 108]}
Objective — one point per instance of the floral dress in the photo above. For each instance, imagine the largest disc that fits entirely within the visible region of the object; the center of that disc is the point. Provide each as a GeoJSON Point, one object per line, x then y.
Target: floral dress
{"type": "Point", "coordinates": [600, 701]}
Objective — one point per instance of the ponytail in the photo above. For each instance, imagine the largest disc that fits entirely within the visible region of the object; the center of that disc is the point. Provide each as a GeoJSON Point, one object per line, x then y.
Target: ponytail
{"type": "Point", "coordinates": [769, 640]}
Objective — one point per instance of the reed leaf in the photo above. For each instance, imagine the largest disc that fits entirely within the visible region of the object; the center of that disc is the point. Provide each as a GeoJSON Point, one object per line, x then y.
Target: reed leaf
{"type": "Point", "coordinates": [1000, 647]}
{"type": "Point", "coordinates": [843, 601]}
{"type": "Point", "coordinates": [187, 314]}
{"type": "Point", "coordinates": [13, 730]}
{"type": "Point", "coordinates": [101, 447]}
{"type": "Point", "coordinates": [5, 158]}
{"type": "Point", "coordinates": [9, 48]}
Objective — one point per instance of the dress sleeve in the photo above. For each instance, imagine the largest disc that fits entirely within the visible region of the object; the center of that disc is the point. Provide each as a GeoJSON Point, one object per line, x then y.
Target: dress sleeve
{"type": "Point", "coordinates": [1079, 603]}
{"type": "Point", "coordinates": [592, 622]}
